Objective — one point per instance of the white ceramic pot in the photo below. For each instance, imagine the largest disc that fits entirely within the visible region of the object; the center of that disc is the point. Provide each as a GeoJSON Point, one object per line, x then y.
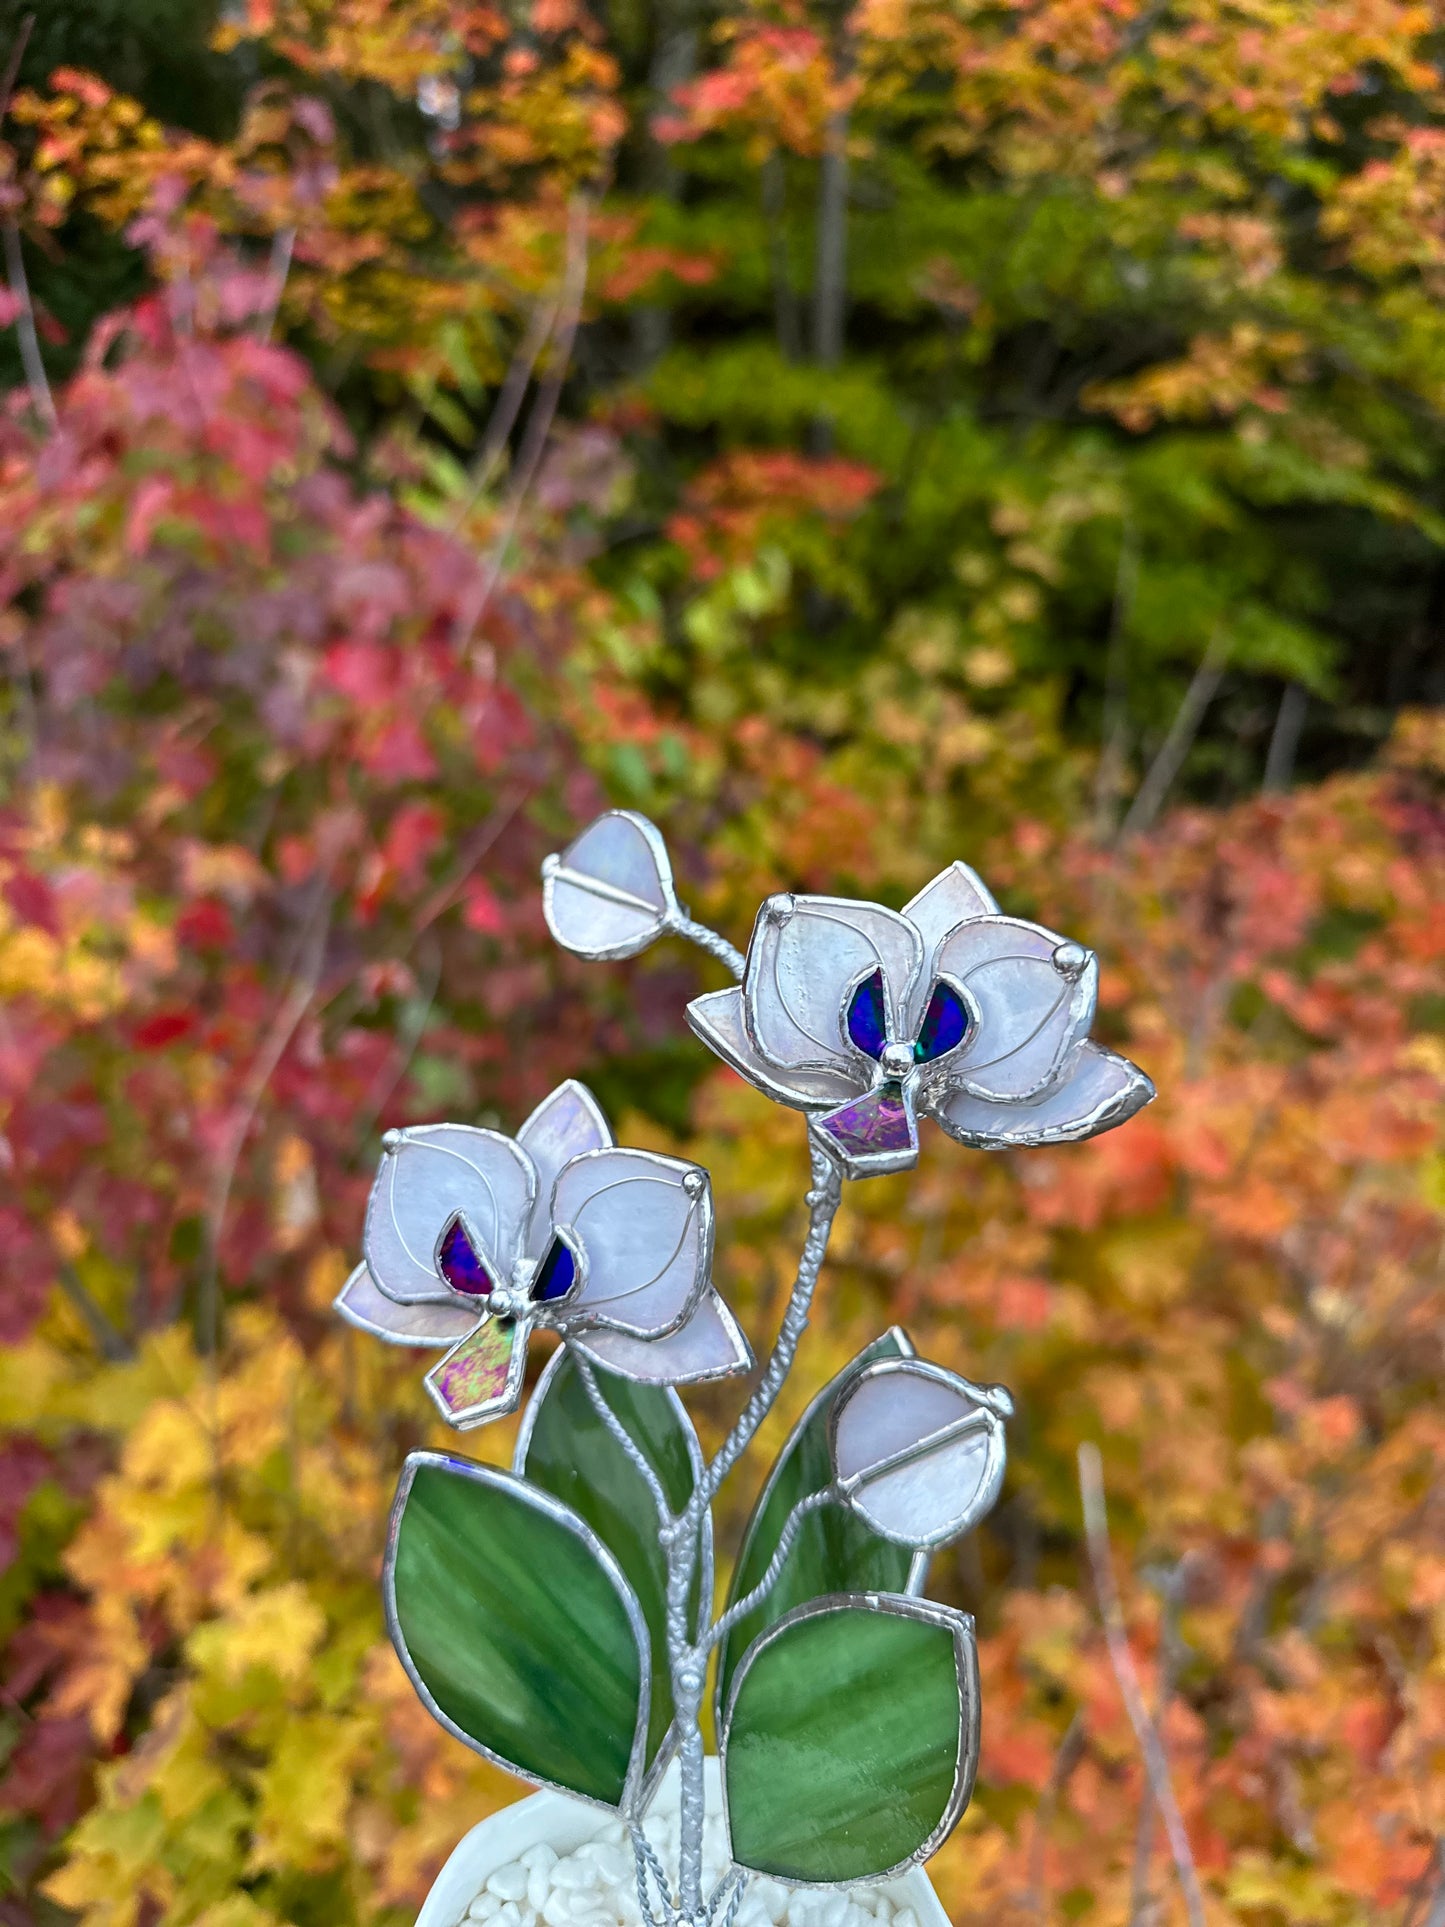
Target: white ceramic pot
{"type": "Point", "coordinates": [554, 1820]}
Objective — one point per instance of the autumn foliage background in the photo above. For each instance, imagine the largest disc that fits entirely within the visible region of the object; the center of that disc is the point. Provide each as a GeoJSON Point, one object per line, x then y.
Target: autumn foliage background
{"type": "Point", "coordinates": [855, 438]}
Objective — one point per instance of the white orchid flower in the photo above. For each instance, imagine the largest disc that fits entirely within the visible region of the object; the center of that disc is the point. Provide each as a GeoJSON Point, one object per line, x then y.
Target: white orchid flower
{"type": "Point", "coordinates": [863, 1017]}
{"type": "Point", "coordinates": [474, 1239]}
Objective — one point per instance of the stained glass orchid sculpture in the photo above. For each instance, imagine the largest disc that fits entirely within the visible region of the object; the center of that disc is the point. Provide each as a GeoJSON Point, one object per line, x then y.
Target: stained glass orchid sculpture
{"type": "Point", "coordinates": [474, 1239]}
{"type": "Point", "coordinates": [864, 1016]}
{"type": "Point", "coordinates": [558, 1618]}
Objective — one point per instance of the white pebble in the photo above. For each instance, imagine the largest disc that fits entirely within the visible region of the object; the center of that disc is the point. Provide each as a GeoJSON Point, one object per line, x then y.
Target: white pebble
{"type": "Point", "coordinates": [509, 1882]}
{"type": "Point", "coordinates": [596, 1886]}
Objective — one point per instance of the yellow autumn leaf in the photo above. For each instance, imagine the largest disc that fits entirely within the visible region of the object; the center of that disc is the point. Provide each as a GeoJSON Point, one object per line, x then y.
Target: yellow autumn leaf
{"type": "Point", "coordinates": [305, 1790]}
{"type": "Point", "coordinates": [100, 1682]}
{"type": "Point", "coordinates": [278, 1630]}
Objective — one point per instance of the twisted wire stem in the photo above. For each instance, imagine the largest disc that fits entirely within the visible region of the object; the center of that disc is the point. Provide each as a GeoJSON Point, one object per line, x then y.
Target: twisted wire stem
{"type": "Point", "coordinates": [711, 941]}
{"type": "Point", "coordinates": [688, 1653]}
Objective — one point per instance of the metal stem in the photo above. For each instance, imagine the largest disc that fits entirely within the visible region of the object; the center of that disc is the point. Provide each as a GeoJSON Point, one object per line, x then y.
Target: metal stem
{"type": "Point", "coordinates": [742, 1607]}
{"type": "Point", "coordinates": [716, 945]}
{"type": "Point", "coordinates": [822, 1202]}
{"type": "Point", "coordinates": [688, 1653]}
{"type": "Point", "coordinates": [624, 1438]}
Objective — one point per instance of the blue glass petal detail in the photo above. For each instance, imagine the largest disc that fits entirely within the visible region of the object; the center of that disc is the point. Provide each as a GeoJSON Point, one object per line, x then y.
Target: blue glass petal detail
{"type": "Point", "coordinates": [944, 1026]}
{"type": "Point", "coordinates": [868, 1016]}
{"type": "Point", "coordinates": [556, 1274]}
{"type": "Point", "coordinates": [459, 1263]}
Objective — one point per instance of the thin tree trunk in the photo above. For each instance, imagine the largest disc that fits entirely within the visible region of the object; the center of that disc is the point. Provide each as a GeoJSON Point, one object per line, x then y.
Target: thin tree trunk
{"type": "Point", "coordinates": [1149, 798]}
{"type": "Point", "coordinates": [674, 61]}
{"type": "Point", "coordinates": [786, 319]}
{"type": "Point", "coordinates": [1284, 740]}
{"type": "Point", "coordinates": [830, 281]}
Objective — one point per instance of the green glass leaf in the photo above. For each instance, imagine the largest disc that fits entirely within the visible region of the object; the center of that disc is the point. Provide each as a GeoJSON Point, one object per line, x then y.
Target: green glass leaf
{"type": "Point", "coordinates": [835, 1551]}
{"type": "Point", "coordinates": [516, 1627]}
{"type": "Point", "coordinates": [565, 1448]}
{"type": "Point", "coordinates": [850, 1746]}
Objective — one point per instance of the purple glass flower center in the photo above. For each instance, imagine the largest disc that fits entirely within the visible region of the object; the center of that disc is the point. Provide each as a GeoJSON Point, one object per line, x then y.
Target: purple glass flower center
{"type": "Point", "coordinates": [868, 1016]}
{"type": "Point", "coordinates": [944, 1026]}
{"type": "Point", "coordinates": [556, 1274]}
{"type": "Point", "coordinates": [875, 1123]}
{"type": "Point", "coordinates": [460, 1264]}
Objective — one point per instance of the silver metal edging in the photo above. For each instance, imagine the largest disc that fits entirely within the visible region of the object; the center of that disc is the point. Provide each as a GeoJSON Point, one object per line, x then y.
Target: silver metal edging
{"type": "Point", "coordinates": [668, 1744]}
{"type": "Point", "coordinates": [564, 1516]}
{"type": "Point", "coordinates": [831, 1390]}
{"type": "Point", "coordinates": [965, 1661]}
{"type": "Point", "coordinates": [994, 1463]}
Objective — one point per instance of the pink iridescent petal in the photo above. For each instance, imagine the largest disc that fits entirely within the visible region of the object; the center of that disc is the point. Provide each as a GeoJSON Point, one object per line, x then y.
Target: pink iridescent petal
{"type": "Point", "coordinates": [871, 1136]}
{"type": "Point", "coordinates": [481, 1378]}
{"type": "Point", "coordinates": [710, 1345]}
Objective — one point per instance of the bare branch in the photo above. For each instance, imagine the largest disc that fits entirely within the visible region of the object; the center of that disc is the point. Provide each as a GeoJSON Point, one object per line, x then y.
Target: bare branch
{"type": "Point", "coordinates": [31, 359]}
{"type": "Point", "coordinates": [539, 423]}
{"type": "Point", "coordinates": [293, 1008]}
{"type": "Point", "coordinates": [1149, 798]}
{"type": "Point", "coordinates": [1284, 737]}
{"type": "Point", "coordinates": [1121, 1658]}
{"type": "Point", "coordinates": [1071, 1747]}
{"type": "Point", "coordinates": [12, 65]}
{"type": "Point", "coordinates": [283, 246]}
{"type": "Point", "coordinates": [508, 403]}
{"type": "Point", "coordinates": [112, 1343]}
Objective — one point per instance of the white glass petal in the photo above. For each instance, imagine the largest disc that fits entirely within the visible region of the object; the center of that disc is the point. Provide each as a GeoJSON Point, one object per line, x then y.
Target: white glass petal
{"type": "Point", "coordinates": [563, 1126]}
{"type": "Point", "coordinates": [805, 955]}
{"type": "Point", "coordinates": [719, 1021]}
{"type": "Point", "coordinates": [1099, 1090]}
{"type": "Point", "coordinates": [1034, 995]}
{"type": "Point", "coordinates": [426, 1176]}
{"type": "Point", "coordinates": [710, 1345]}
{"type": "Point", "coordinates": [919, 1450]}
{"type": "Point", "coordinates": [610, 892]}
{"type": "Point", "coordinates": [956, 895]}
{"type": "Point", "coordinates": [361, 1304]}
{"type": "Point", "coordinates": [644, 1226]}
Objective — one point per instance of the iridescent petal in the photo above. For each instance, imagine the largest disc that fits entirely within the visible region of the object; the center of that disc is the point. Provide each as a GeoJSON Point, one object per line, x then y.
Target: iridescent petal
{"type": "Point", "coordinates": [610, 892]}
{"type": "Point", "coordinates": [369, 1310]}
{"type": "Point", "coordinates": [871, 1135]}
{"type": "Point", "coordinates": [426, 1177]}
{"type": "Point", "coordinates": [644, 1227]}
{"type": "Point", "coordinates": [1101, 1089]}
{"type": "Point", "coordinates": [710, 1345]}
{"type": "Point", "coordinates": [920, 1450]}
{"type": "Point", "coordinates": [563, 1126]}
{"type": "Point", "coordinates": [945, 1024]}
{"type": "Point", "coordinates": [481, 1378]}
{"type": "Point", "coordinates": [719, 1021]}
{"type": "Point", "coordinates": [461, 1264]}
{"type": "Point", "coordinates": [1035, 995]}
{"type": "Point", "coordinates": [956, 895]}
{"type": "Point", "coordinates": [868, 1016]}
{"type": "Point", "coordinates": [556, 1275]}
{"type": "Point", "coordinates": [805, 956]}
